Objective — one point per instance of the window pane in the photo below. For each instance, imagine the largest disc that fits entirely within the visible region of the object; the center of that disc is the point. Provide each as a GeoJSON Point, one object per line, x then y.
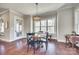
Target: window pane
{"type": "Point", "coordinates": [17, 27]}
{"type": "Point", "coordinates": [2, 27]}
{"type": "Point", "coordinates": [20, 28]}
{"type": "Point", "coordinates": [51, 30]}
{"type": "Point", "coordinates": [77, 22]}
{"type": "Point", "coordinates": [37, 29]}
{"type": "Point", "coordinates": [43, 28]}
{"type": "Point", "coordinates": [37, 23]}
{"type": "Point", "coordinates": [51, 22]}
{"type": "Point", "coordinates": [78, 29]}
{"type": "Point", "coordinates": [43, 22]}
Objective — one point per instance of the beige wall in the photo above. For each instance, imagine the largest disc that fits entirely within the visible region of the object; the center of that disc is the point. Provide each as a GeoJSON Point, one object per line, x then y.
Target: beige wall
{"type": "Point", "coordinates": [27, 24]}
{"type": "Point", "coordinates": [65, 24]}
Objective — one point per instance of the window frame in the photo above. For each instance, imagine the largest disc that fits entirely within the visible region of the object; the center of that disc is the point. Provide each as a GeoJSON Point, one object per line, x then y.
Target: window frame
{"type": "Point", "coordinates": [46, 25]}
{"type": "Point", "coordinates": [2, 27]}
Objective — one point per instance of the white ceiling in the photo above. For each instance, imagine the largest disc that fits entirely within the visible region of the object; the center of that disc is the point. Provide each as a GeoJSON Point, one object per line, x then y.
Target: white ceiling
{"type": "Point", "coordinates": [30, 9]}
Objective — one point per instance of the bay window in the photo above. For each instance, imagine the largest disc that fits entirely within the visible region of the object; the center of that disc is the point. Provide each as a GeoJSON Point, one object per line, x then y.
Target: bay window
{"type": "Point", "coordinates": [45, 25]}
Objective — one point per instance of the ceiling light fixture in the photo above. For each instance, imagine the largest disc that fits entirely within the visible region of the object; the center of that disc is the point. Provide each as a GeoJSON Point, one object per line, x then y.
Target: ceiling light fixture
{"type": "Point", "coordinates": [36, 17]}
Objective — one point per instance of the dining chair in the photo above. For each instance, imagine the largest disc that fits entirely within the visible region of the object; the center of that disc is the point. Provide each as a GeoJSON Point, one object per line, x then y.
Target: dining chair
{"type": "Point", "coordinates": [45, 40]}
{"type": "Point", "coordinates": [31, 41]}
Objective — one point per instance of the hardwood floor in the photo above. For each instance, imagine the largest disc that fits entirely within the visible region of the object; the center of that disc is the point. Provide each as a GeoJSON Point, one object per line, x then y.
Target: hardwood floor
{"type": "Point", "coordinates": [19, 47]}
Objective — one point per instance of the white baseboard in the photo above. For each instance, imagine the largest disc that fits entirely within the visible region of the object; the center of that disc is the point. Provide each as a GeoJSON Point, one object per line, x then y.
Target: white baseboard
{"type": "Point", "coordinates": [20, 37]}
{"type": "Point", "coordinates": [9, 40]}
{"type": "Point", "coordinates": [5, 40]}
{"type": "Point", "coordinates": [61, 40]}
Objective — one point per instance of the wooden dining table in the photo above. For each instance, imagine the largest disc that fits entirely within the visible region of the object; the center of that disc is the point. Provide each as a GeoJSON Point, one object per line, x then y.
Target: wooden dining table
{"type": "Point", "coordinates": [38, 38]}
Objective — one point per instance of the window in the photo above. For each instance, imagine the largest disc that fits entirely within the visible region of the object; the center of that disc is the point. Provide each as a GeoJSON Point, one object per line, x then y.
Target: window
{"type": "Point", "coordinates": [77, 22]}
{"type": "Point", "coordinates": [37, 23]}
{"type": "Point", "coordinates": [45, 25]}
{"type": "Point", "coordinates": [51, 29]}
{"type": "Point", "coordinates": [36, 26]}
{"type": "Point", "coordinates": [43, 22]}
{"type": "Point", "coordinates": [51, 25]}
{"type": "Point", "coordinates": [1, 26]}
{"type": "Point", "coordinates": [18, 27]}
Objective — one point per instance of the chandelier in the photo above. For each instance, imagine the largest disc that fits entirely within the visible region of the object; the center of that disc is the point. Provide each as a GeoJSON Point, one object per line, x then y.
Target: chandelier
{"type": "Point", "coordinates": [36, 17]}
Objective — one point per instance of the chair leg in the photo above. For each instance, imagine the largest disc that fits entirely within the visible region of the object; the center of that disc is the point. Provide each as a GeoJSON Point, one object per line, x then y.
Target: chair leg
{"type": "Point", "coordinates": [73, 45]}
{"type": "Point", "coordinates": [66, 42]}
{"type": "Point", "coordinates": [34, 49]}
{"type": "Point", "coordinates": [46, 46]}
{"type": "Point", "coordinates": [27, 47]}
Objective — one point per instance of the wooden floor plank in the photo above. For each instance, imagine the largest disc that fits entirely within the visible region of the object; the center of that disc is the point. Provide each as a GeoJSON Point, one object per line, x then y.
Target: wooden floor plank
{"type": "Point", "coordinates": [19, 47]}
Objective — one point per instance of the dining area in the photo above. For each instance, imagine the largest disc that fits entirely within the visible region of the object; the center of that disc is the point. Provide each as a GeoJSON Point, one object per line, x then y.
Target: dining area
{"type": "Point", "coordinates": [36, 41]}
{"type": "Point", "coordinates": [35, 44]}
